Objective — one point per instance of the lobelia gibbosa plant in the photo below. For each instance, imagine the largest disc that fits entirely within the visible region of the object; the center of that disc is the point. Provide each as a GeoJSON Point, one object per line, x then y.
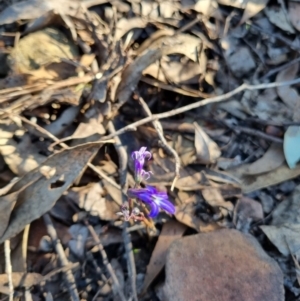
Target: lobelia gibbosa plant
{"type": "Point", "coordinates": [149, 195]}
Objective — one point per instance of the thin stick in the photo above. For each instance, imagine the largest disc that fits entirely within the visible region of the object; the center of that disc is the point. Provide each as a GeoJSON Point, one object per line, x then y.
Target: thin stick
{"type": "Point", "coordinates": [157, 125]}
{"type": "Point", "coordinates": [201, 103]}
{"type": "Point", "coordinates": [69, 277]}
{"type": "Point", "coordinates": [105, 261]}
{"type": "Point", "coordinates": [123, 161]}
{"type": "Point", "coordinates": [8, 269]}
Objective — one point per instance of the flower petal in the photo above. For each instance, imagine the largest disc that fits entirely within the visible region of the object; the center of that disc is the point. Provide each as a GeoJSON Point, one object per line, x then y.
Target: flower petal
{"type": "Point", "coordinates": [167, 206]}
{"type": "Point", "coordinates": [154, 210]}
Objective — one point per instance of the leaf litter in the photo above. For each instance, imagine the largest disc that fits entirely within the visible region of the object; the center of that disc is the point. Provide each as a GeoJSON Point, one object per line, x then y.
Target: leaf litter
{"type": "Point", "coordinates": [87, 83]}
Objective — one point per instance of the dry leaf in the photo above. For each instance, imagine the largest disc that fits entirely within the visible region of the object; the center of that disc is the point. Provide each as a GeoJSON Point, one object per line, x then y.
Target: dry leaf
{"type": "Point", "coordinates": [294, 14]}
{"type": "Point", "coordinates": [91, 199]}
{"type": "Point", "coordinates": [215, 199]}
{"type": "Point", "coordinates": [277, 17]}
{"type": "Point", "coordinates": [171, 230]}
{"type": "Point", "coordinates": [272, 159]}
{"type": "Point", "coordinates": [125, 25]}
{"type": "Point", "coordinates": [288, 94]}
{"type": "Point", "coordinates": [206, 149]}
{"type": "Point", "coordinates": [252, 8]}
{"type": "Point", "coordinates": [251, 183]}
{"type": "Point", "coordinates": [32, 9]}
{"type": "Point", "coordinates": [247, 211]}
{"type": "Point", "coordinates": [41, 195]}
{"type": "Point", "coordinates": [22, 156]}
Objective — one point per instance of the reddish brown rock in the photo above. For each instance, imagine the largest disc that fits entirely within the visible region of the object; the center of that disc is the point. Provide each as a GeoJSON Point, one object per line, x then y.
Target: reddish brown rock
{"type": "Point", "coordinates": [224, 265]}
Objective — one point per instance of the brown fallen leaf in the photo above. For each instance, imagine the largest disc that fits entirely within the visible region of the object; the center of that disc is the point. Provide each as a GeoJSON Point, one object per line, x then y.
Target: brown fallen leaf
{"type": "Point", "coordinates": [294, 14]}
{"type": "Point", "coordinates": [277, 16]}
{"type": "Point", "coordinates": [40, 196]}
{"type": "Point", "coordinates": [253, 8]}
{"type": "Point", "coordinates": [247, 211]}
{"type": "Point", "coordinates": [251, 183]}
{"type": "Point", "coordinates": [22, 156]}
{"type": "Point", "coordinates": [171, 230]}
{"type": "Point", "coordinates": [125, 25]}
{"type": "Point", "coordinates": [272, 159]}
{"type": "Point", "coordinates": [207, 150]}
{"type": "Point", "coordinates": [288, 94]}
{"type": "Point", "coordinates": [214, 198]}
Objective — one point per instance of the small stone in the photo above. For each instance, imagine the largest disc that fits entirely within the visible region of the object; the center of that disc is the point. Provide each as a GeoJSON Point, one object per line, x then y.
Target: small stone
{"type": "Point", "coordinates": [224, 265]}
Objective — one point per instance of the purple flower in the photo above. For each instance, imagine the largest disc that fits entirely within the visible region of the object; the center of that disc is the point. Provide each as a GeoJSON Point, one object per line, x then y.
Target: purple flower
{"type": "Point", "coordinates": [154, 198]}
{"type": "Point", "coordinates": [139, 161]}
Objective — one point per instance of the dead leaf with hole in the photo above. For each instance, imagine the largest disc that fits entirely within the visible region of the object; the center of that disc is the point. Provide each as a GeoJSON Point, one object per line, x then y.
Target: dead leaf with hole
{"type": "Point", "coordinates": [40, 196]}
{"type": "Point", "coordinates": [272, 159]}
{"type": "Point", "coordinates": [277, 17]}
{"type": "Point", "coordinates": [207, 151]}
{"type": "Point", "coordinates": [171, 230]}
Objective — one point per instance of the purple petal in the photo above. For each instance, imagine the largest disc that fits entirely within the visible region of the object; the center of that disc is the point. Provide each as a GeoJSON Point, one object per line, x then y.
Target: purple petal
{"type": "Point", "coordinates": [154, 210]}
{"type": "Point", "coordinates": [167, 206]}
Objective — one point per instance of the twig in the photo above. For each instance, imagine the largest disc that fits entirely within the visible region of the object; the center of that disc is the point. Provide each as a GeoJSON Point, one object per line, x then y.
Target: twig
{"type": "Point", "coordinates": [8, 269]}
{"type": "Point", "coordinates": [256, 133]}
{"type": "Point", "coordinates": [280, 68]}
{"type": "Point", "coordinates": [105, 261]}
{"type": "Point", "coordinates": [123, 161]}
{"type": "Point", "coordinates": [157, 125]}
{"type": "Point", "coordinates": [200, 103]}
{"type": "Point", "coordinates": [69, 277]}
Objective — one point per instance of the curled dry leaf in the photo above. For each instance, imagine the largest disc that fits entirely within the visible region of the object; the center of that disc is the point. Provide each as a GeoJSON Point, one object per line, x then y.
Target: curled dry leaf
{"type": "Point", "coordinates": [272, 159]}
{"type": "Point", "coordinates": [207, 150]}
{"type": "Point", "coordinates": [41, 194]}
